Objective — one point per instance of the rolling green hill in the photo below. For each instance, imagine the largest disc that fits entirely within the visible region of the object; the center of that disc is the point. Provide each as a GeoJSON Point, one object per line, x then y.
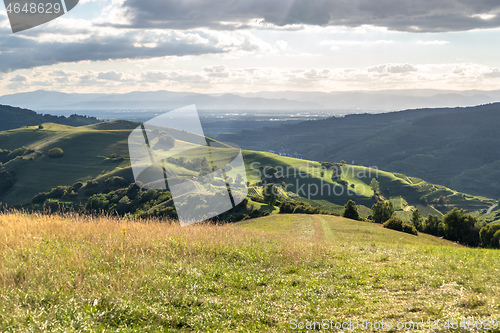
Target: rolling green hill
{"type": "Point", "coordinates": [89, 152]}
{"type": "Point", "coordinates": [100, 151]}
{"type": "Point", "coordinates": [458, 148]}
{"type": "Point", "coordinates": [13, 117]}
{"type": "Point", "coordinates": [306, 179]}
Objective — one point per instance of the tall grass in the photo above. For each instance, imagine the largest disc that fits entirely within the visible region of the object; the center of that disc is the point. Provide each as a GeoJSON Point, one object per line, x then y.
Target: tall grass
{"type": "Point", "coordinates": [78, 273]}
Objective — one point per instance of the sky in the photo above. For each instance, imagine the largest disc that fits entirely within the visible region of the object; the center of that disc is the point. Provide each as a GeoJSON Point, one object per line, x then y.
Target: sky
{"type": "Point", "coordinates": [241, 46]}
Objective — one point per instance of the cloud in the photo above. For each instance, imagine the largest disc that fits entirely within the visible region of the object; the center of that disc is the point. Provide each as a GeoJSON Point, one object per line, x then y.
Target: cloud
{"type": "Point", "coordinates": [19, 78]}
{"type": "Point", "coordinates": [342, 44]}
{"type": "Point", "coordinates": [73, 40]}
{"type": "Point", "coordinates": [409, 15]}
{"type": "Point", "coordinates": [217, 71]}
{"type": "Point", "coordinates": [61, 73]}
{"type": "Point", "coordinates": [393, 68]}
{"type": "Point", "coordinates": [21, 52]}
{"type": "Point", "coordinates": [494, 73]}
{"type": "Point", "coordinates": [221, 78]}
{"type": "Point", "coordinates": [433, 42]}
{"type": "Point", "coordinates": [111, 76]}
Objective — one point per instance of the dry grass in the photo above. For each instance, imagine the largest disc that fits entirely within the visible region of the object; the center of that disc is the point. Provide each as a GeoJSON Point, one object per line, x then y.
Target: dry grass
{"type": "Point", "coordinates": [83, 274]}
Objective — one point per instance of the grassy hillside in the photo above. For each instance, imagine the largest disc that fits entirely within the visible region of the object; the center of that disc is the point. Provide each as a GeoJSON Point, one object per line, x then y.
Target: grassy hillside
{"type": "Point", "coordinates": [100, 151]}
{"type": "Point", "coordinates": [457, 148]}
{"type": "Point", "coordinates": [13, 117]}
{"type": "Point", "coordinates": [75, 274]}
{"type": "Point", "coordinates": [305, 178]}
{"type": "Point", "coordinates": [337, 230]}
{"type": "Point", "coordinates": [88, 153]}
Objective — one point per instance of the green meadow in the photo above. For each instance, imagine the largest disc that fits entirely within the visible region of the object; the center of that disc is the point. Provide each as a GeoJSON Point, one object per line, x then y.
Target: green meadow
{"type": "Point", "coordinates": [84, 274]}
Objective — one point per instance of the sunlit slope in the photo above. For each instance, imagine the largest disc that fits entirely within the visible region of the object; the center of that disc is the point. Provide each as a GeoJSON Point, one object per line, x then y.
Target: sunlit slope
{"type": "Point", "coordinates": [312, 180]}
{"type": "Point", "coordinates": [101, 150]}
{"type": "Point", "coordinates": [337, 230]}
{"type": "Point", "coordinates": [88, 153]}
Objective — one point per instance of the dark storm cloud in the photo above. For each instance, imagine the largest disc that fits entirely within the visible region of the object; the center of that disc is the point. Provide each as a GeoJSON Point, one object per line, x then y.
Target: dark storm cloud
{"type": "Point", "coordinates": [17, 52]}
{"type": "Point", "coordinates": [401, 15]}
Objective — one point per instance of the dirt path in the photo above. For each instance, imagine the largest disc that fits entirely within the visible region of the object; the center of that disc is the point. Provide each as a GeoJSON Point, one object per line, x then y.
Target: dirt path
{"type": "Point", "coordinates": [491, 208]}
{"type": "Point", "coordinates": [322, 228]}
{"type": "Point", "coordinates": [318, 230]}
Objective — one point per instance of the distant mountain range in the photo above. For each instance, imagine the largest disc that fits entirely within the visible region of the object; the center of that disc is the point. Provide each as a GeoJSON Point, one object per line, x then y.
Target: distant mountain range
{"type": "Point", "coordinates": [387, 100]}
{"type": "Point", "coordinates": [158, 100]}
{"type": "Point", "coordinates": [338, 103]}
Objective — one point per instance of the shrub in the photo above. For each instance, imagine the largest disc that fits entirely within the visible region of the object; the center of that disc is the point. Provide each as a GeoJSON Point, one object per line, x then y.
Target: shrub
{"type": "Point", "coordinates": [295, 207]}
{"type": "Point", "coordinates": [123, 205]}
{"type": "Point", "coordinates": [52, 205]}
{"type": "Point", "coordinates": [59, 192]}
{"type": "Point", "coordinates": [116, 182]}
{"type": "Point", "coordinates": [55, 152]}
{"type": "Point", "coordinates": [7, 180]}
{"type": "Point", "coordinates": [17, 152]}
{"type": "Point", "coordinates": [39, 198]}
{"type": "Point", "coordinates": [77, 186]}
{"type": "Point", "coordinates": [257, 199]}
{"type": "Point", "coordinates": [91, 187]}
{"type": "Point", "coordinates": [97, 202]}
{"type": "Point", "coordinates": [495, 241]}
{"type": "Point", "coordinates": [351, 210]}
{"type": "Point", "coordinates": [396, 223]}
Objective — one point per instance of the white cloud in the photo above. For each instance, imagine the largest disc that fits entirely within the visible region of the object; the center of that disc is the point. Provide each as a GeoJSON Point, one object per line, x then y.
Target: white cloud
{"type": "Point", "coordinates": [221, 78]}
{"type": "Point", "coordinates": [433, 42]}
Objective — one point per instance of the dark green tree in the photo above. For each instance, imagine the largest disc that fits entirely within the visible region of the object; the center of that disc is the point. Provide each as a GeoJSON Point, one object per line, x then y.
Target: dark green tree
{"type": "Point", "coordinates": [270, 194]}
{"type": "Point", "coordinates": [433, 226]}
{"type": "Point", "coordinates": [375, 185]}
{"type": "Point", "coordinates": [461, 227]}
{"type": "Point", "coordinates": [417, 220]}
{"type": "Point", "coordinates": [382, 211]}
{"type": "Point", "coordinates": [351, 210]}
{"type": "Point", "coordinates": [486, 235]}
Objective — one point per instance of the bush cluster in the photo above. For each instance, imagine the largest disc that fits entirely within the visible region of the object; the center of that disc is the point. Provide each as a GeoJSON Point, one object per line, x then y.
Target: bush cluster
{"type": "Point", "coordinates": [55, 153]}
{"type": "Point", "coordinates": [396, 223]}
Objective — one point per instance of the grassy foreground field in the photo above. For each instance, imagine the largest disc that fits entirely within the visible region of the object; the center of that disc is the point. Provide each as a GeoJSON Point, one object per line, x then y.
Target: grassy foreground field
{"type": "Point", "coordinates": [78, 274]}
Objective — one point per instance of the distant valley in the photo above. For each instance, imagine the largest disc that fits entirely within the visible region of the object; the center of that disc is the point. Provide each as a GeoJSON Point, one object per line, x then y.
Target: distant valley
{"type": "Point", "coordinates": [455, 147]}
